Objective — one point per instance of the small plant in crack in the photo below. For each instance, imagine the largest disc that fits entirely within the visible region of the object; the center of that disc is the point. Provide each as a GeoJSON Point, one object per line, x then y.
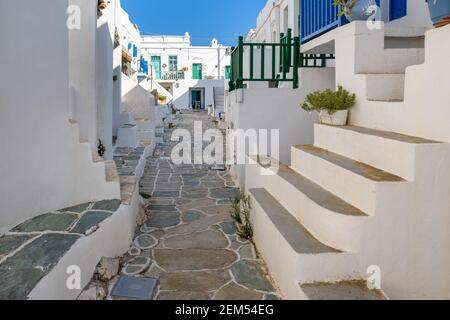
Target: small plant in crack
{"type": "Point", "coordinates": [236, 209]}
{"type": "Point", "coordinates": [241, 215]}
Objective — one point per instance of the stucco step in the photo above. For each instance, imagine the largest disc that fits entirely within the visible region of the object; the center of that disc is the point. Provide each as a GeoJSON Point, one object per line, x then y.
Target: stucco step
{"type": "Point", "coordinates": [385, 86]}
{"type": "Point", "coordinates": [327, 217]}
{"type": "Point", "coordinates": [398, 154]}
{"type": "Point", "coordinates": [345, 290]}
{"type": "Point", "coordinates": [357, 183]}
{"type": "Point", "coordinates": [300, 240]}
{"type": "Point", "coordinates": [316, 193]}
{"type": "Point", "coordinates": [96, 157]}
{"type": "Point", "coordinates": [111, 171]}
{"type": "Point", "coordinates": [358, 168]}
{"type": "Point", "coordinates": [280, 237]}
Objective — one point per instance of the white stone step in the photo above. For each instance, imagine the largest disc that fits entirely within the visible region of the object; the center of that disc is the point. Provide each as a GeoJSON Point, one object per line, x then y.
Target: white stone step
{"type": "Point", "coordinates": [389, 151]}
{"type": "Point", "coordinates": [357, 183]}
{"type": "Point", "coordinates": [328, 218]}
{"type": "Point", "coordinates": [111, 171]}
{"type": "Point", "coordinates": [281, 238]}
{"type": "Point", "coordinates": [344, 290]}
{"type": "Point", "coordinates": [385, 86]}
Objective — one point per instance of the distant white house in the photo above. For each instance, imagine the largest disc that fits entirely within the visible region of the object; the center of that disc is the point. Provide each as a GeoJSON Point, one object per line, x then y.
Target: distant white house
{"type": "Point", "coordinates": [194, 76]}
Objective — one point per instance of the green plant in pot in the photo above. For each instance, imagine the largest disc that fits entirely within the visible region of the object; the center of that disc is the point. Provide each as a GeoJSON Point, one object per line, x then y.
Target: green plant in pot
{"type": "Point", "coordinates": [332, 105]}
{"type": "Point", "coordinates": [439, 12]}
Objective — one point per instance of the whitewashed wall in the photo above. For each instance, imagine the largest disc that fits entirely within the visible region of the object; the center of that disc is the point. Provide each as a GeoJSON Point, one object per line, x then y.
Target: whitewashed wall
{"type": "Point", "coordinates": [43, 166]}
{"type": "Point", "coordinates": [104, 66]}
{"type": "Point", "coordinates": [275, 18]}
{"type": "Point", "coordinates": [278, 109]}
{"type": "Point", "coordinates": [82, 71]}
{"type": "Point", "coordinates": [213, 58]}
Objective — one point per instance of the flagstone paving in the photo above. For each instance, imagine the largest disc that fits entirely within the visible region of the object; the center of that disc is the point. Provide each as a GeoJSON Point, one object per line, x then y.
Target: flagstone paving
{"type": "Point", "coordinates": [193, 251]}
{"type": "Point", "coordinates": [32, 249]}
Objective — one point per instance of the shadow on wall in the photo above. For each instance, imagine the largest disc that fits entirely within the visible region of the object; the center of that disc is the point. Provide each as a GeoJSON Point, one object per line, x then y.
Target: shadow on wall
{"type": "Point", "coordinates": [182, 102]}
{"type": "Point", "coordinates": [105, 87]}
{"type": "Point", "coordinates": [139, 103]}
{"type": "Point", "coordinates": [117, 117]}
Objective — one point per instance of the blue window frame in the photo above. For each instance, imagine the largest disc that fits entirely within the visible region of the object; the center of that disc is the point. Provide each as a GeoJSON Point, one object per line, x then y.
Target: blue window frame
{"type": "Point", "coordinates": [397, 9]}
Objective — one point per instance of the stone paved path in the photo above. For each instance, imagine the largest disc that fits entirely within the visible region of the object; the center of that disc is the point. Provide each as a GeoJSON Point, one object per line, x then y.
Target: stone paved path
{"type": "Point", "coordinates": [189, 241]}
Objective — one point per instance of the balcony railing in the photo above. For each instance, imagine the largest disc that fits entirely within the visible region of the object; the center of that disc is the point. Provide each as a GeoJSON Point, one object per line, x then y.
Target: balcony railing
{"type": "Point", "coordinates": [318, 17]}
{"type": "Point", "coordinates": [249, 62]}
{"type": "Point", "coordinates": [172, 75]}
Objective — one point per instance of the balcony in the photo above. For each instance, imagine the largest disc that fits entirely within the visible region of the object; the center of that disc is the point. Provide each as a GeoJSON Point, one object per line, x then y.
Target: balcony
{"type": "Point", "coordinates": [172, 75]}
{"type": "Point", "coordinates": [319, 17]}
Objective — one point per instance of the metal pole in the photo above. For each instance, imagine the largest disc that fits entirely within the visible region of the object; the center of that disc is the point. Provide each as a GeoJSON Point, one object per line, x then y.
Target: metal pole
{"type": "Point", "coordinates": [218, 63]}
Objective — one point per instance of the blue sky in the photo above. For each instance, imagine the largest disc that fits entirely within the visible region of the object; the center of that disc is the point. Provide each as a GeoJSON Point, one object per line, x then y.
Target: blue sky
{"type": "Point", "coordinates": [203, 19]}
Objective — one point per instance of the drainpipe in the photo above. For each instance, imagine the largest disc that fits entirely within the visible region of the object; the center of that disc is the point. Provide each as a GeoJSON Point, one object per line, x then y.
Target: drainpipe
{"type": "Point", "coordinates": [218, 62]}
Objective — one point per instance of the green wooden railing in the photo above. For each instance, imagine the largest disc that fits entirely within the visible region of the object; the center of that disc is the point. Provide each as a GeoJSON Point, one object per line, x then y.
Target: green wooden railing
{"type": "Point", "coordinates": [285, 57]}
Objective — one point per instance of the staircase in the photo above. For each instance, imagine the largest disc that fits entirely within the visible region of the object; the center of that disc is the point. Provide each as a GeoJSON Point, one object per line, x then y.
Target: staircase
{"type": "Point", "coordinates": [322, 214]}
{"type": "Point", "coordinates": [103, 174]}
{"type": "Point", "coordinates": [370, 195]}
{"type": "Point", "coordinates": [219, 97]}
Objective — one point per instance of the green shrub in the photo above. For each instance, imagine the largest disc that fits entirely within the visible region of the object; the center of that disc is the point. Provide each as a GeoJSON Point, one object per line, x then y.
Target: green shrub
{"type": "Point", "coordinates": [329, 100]}
{"type": "Point", "coordinates": [344, 6]}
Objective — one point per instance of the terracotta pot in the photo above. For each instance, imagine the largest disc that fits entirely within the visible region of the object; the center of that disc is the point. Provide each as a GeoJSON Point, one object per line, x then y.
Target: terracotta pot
{"type": "Point", "coordinates": [439, 12]}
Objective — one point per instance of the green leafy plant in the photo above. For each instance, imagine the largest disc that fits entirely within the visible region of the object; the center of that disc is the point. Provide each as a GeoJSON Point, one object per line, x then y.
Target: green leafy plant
{"type": "Point", "coordinates": [172, 108]}
{"type": "Point", "coordinates": [329, 100]}
{"type": "Point", "coordinates": [241, 208]}
{"type": "Point", "coordinates": [345, 6]}
{"type": "Point", "coordinates": [236, 209]}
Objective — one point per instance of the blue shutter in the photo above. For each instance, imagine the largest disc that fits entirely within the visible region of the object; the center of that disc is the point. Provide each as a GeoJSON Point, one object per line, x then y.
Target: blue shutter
{"type": "Point", "coordinates": [398, 9]}
{"type": "Point", "coordinates": [135, 51]}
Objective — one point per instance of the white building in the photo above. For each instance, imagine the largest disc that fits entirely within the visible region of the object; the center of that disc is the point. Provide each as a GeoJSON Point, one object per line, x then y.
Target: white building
{"type": "Point", "coordinates": [368, 201]}
{"type": "Point", "coordinates": [193, 76]}
{"type": "Point", "coordinates": [56, 109]}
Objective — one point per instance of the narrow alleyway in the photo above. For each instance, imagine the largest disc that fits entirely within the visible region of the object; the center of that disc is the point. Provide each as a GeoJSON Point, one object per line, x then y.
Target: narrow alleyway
{"type": "Point", "coordinates": [189, 241]}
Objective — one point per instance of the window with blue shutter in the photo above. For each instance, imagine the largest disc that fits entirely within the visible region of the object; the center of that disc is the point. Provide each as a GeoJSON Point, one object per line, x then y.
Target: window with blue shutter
{"type": "Point", "coordinates": [398, 9]}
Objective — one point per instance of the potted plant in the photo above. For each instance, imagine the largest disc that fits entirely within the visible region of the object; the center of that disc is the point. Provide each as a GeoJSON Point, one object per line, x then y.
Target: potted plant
{"type": "Point", "coordinates": [439, 12]}
{"type": "Point", "coordinates": [355, 10]}
{"type": "Point", "coordinates": [332, 105]}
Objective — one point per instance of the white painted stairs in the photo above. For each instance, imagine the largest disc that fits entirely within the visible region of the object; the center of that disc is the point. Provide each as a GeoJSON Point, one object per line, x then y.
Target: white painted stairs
{"type": "Point", "coordinates": [318, 222]}
{"type": "Point", "coordinates": [103, 174]}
